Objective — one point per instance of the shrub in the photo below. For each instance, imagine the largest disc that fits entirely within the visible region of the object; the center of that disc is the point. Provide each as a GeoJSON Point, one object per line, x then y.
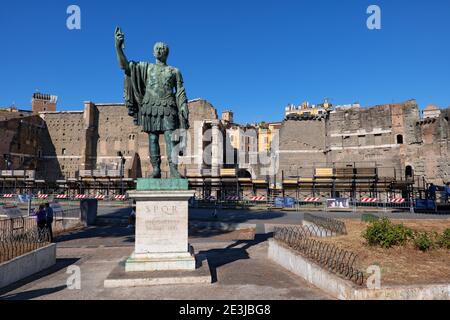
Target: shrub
{"type": "Point", "coordinates": [424, 241]}
{"type": "Point", "coordinates": [385, 234]}
{"type": "Point", "coordinates": [444, 239]}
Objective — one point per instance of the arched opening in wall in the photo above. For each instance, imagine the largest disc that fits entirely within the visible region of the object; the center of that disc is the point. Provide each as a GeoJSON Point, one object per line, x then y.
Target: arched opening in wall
{"type": "Point", "coordinates": [243, 173]}
{"type": "Point", "coordinates": [399, 139]}
{"type": "Point", "coordinates": [409, 172]}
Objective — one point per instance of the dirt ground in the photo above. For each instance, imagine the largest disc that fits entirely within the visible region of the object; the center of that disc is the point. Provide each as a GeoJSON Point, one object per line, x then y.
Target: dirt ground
{"type": "Point", "coordinates": [399, 265]}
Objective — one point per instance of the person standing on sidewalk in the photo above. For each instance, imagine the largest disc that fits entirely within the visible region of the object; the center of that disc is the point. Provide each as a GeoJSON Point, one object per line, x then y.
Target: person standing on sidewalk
{"type": "Point", "coordinates": [41, 220]}
{"type": "Point", "coordinates": [49, 219]}
{"type": "Point", "coordinates": [446, 192]}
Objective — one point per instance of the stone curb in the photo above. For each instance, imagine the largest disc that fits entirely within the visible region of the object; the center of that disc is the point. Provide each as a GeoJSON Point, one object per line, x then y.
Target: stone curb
{"type": "Point", "coordinates": [26, 265]}
{"type": "Point", "coordinates": [346, 290]}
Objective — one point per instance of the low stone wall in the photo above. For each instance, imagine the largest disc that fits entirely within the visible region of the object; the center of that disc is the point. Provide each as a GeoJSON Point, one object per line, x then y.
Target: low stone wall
{"type": "Point", "coordinates": [346, 290]}
{"type": "Point", "coordinates": [27, 265]}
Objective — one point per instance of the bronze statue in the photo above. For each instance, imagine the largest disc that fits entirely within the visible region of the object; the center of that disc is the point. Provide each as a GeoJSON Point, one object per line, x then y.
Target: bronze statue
{"type": "Point", "coordinates": [155, 97]}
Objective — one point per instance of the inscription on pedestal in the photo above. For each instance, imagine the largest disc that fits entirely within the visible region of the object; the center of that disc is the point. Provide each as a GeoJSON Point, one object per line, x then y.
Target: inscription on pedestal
{"type": "Point", "coordinates": [161, 226]}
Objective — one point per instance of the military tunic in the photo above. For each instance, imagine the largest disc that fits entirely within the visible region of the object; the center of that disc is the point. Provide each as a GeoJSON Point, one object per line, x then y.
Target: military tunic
{"type": "Point", "coordinates": [155, 96]}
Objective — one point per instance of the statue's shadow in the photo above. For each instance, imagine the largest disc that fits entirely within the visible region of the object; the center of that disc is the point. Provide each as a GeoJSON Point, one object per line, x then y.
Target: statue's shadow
{"type": "Point", "coordinates": [233, 252]}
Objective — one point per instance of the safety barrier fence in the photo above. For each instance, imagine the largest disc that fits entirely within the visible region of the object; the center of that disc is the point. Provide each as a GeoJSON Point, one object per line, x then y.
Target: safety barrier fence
{"type": "Point", "coordinates": [14, 245]}
{"type": "Point", "coordinates": [62, 197]}
{"type": "Point", "coordinates": [327, 255]}
{"type": "Point", "coordinates": [310, 202]}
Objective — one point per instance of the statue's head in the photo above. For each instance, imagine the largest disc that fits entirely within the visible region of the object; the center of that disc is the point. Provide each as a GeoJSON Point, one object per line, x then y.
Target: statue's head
{"type": "Point", "coordinates": [161, 51]}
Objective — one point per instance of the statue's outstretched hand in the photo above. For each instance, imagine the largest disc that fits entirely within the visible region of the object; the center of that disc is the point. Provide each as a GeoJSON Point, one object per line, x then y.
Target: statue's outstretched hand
{"type": "Point", "coordinates": [120, 37]}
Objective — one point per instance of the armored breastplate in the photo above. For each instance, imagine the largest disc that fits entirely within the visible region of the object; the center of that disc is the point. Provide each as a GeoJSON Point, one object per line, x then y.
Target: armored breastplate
{"type": "Point", "coordinates": [160, 85]}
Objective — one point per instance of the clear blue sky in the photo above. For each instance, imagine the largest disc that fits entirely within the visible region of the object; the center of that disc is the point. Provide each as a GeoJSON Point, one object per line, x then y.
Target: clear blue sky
{"type": "Point", "coordinates": [253, 57]}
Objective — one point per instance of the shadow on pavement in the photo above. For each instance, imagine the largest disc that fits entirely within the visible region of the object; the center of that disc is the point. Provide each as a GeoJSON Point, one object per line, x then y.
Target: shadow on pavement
{"type": "Point", "coordinates": [221, 257]}
{"type": "Point", "coordinates": [99, 232]}
{"type": "Point", "coordinates": [32, 294]}
{"type": "Point", "coordinates": [25, 295]}
{"type": "Point", "coordinates": [235, 216]}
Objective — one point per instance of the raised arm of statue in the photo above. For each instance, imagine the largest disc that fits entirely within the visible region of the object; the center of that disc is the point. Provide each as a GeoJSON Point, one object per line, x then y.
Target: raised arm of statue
{"type": "Point", "coordinates": [120, 40]}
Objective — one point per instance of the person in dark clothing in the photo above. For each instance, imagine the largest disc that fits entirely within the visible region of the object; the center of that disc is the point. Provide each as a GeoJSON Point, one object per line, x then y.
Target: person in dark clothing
{"type": "Point", "coordinates": [49, 219]}
{"type": "Point", "coordinates": [41, 220]}
{"type": "Point", "coordinates": [446, 192]}
{"type": "Point", "coordinates": [432, 192]}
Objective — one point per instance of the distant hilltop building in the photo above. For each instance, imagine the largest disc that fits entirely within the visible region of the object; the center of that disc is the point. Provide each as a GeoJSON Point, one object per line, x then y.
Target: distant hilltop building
{"type": "Point", "coordinates": [355, 105]}
{"type": "Point", "coordinates": [307, 111]}
{"type": "Point", "coordinates": [42, 102]}
{"type": "Point", "coordinates": [431, 111]}
{"type": "Point", "coordinates": [227, 117]}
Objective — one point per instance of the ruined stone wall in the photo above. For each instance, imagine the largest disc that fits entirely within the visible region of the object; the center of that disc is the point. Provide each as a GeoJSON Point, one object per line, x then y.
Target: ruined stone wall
{"type": "Point", "coordinates": [62, 144]}
{"type": "Point", "coordinates": [20, 141]}
{"type": "Point", "coordinates": [302, 145]}
{"type": "Point", "coordinates": [430, 156]}
{"type": "Point", "coordinates": [390, 137]}
{"type": "Point", "coordinates": [377, 136]}
{"type": "Point", "coordinates": [117, 133]}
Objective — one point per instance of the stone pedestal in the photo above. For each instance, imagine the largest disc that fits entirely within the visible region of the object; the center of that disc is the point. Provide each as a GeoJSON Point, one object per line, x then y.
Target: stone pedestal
{"type": "Point", "coordinates": [161, 226]}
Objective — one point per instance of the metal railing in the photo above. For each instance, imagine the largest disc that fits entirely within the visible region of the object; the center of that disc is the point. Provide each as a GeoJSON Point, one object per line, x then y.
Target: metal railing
{"type": "Point", "coordinates": [21, 225]}
{"type": "Point", "coordinates": [327, 255]}
{"type": "Point", "coordinates": [15, 245]}
{"type": "Point", "coordinates": [336, 227]}
{"type": "Point", "coordinates": [16, 226]}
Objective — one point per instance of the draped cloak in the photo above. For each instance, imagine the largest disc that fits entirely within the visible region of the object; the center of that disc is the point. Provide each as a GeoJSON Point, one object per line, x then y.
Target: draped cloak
{"type": "Point", "coordinates": [155, 97]}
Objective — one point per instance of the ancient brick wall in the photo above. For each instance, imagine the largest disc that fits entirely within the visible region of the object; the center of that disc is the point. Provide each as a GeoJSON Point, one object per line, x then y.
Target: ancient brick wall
{"type": "Point", "coordinates": [20, 141]}
{"type": "Point", "coordinates": [62, 144]}
{"type": "Point", "coordinates": [390, 137]}
{"type": "Point", "coordinates": [430, 156]}
{"type": "Point", "coordinates": [377, 136]}
{"type": "Point", "coordinates": [302, 144]}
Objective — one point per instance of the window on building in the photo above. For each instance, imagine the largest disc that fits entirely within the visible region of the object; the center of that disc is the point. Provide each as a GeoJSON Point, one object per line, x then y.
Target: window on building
{"type": "Point", "coordinates": [378, 139]}
{"type": "Point", "coordinates": [63, 151]}
{"type": "Point", "coordinates": [409, 172]}
{"type": "Point", "coordinates": [399, 139]}
{"type": "Point", "coordinates": [362, 140]}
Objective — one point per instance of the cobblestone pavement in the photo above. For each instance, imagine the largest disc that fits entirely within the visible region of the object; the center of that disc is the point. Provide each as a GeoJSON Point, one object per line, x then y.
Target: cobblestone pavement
{"type": "Point", "coordinates": [240, 270]}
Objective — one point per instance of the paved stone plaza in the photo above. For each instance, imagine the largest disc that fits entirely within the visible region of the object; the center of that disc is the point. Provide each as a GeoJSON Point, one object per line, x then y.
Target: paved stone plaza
{"type": "Point", "coordinates": [240, 270]}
